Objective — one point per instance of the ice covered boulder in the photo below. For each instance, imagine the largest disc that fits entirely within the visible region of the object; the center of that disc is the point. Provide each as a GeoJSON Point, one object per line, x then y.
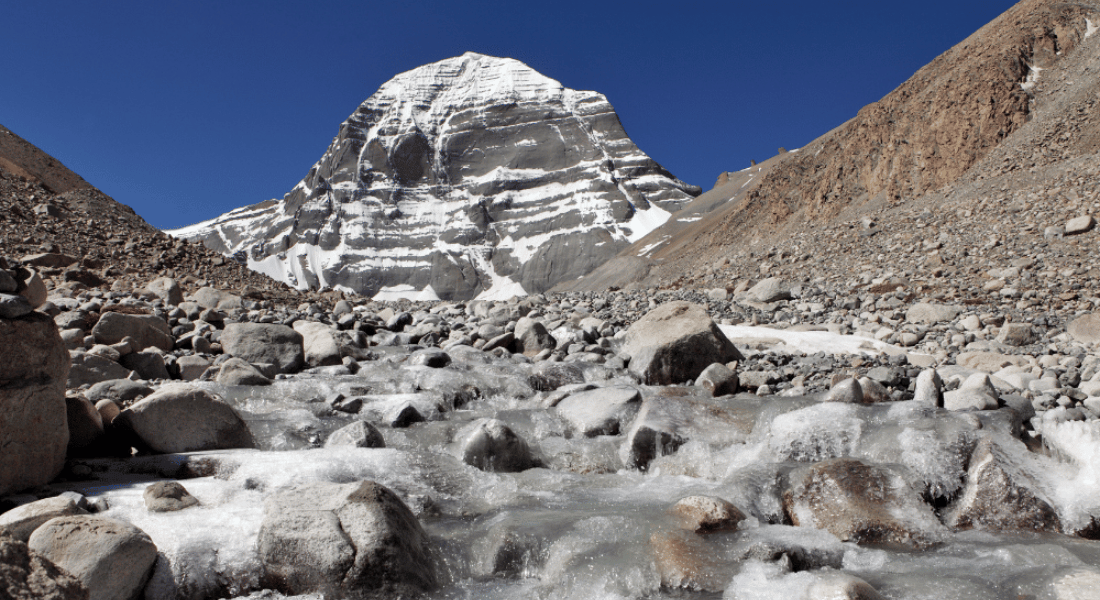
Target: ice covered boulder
{"type": "Point", "coordinates": [1000, 495]}
{"type": "Point", "coordinates": [547, 377]}
{"type": "Point", "coordinates": [33, 429]}
{"type": "Point", "coordinates": [147, 330]}
{"type": "Point", "coordinates": [655, 432]}
{"type": "Point", "coordinates": [841, 586]}
{"type": "Point", "coordinates": [111, 558]}
{"type": "Point", "coordinates": [602, 411]}
{"type": "Point", "coordinates": [490, 445]}
{"type": "Point", "coordinates": [352, 540]}
{"type": "Point", "coordinates": [182, 418]}
{"type": "Point", "coordinates": [505, 551]}
{"type": "Point", "coordinates": [685, 560]}
{"type": "Point", "coordinates": [706, 514]}
{"type": "Point", "coordinates": [359, 434]}
{"type": "Point", "coordinates": [27, 575]}
{"type": "Point", "coordinates": [861, 503]}
{"type": "Point", "coordinates": [270, 343]}
{"type": "Point", "coordinates": [674, 343]}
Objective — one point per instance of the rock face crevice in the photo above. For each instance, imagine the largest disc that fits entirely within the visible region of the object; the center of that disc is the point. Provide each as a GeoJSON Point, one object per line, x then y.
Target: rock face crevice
{"type": "Point", "coordinates": [474, 174]}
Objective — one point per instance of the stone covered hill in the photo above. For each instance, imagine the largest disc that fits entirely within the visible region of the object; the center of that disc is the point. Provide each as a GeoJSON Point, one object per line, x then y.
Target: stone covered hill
{"type": "Point", "coordinates": [967, 169]}
{"type": "Point", "coordinates": [92, 240]}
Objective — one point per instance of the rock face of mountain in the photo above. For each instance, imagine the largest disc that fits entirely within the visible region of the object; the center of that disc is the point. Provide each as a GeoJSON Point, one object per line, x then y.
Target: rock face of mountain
{"type": "Point", "coordinates": [471, 176]}
{"type": "Point", "coordinates": [998, 133]}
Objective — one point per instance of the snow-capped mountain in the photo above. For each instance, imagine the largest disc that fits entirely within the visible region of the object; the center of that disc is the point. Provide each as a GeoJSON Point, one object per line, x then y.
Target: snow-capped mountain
{"type": "Point", "coordinates": [473, 176]}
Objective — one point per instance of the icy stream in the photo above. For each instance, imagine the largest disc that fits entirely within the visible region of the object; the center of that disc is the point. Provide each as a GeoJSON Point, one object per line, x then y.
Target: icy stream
{"type": "Point", "coordinates": [582, 526]}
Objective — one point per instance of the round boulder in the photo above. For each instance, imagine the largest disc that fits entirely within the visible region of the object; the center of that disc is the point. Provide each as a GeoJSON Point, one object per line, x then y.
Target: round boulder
{"type": "Point", "coordinates": [674, 343]}
{"type": "Point", "coordinates": [490, 445]}
{"type": "Point", "coordinates": [111, 558]}
{"type": "Point", "coordinates": [352, 540]}
{"type": "Point", "coordinates": [182, 418]}
{"type": "Point", "coordinates": [269, 343]}
{"type": "Point", "coordinates": [26, 575]}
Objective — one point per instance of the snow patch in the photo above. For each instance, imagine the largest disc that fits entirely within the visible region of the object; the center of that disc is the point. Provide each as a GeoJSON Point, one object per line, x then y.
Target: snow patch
{"type": "Point", "coordinates": [689, 219]}
{"type": "Point", "coordinates": [1032, 77]}
{"type": "Point", "coordinates": [645, 221]}
{"type": "Point", "coordinates": [406, 292]}
{"type": "Point", "coordinates": [809, 342]}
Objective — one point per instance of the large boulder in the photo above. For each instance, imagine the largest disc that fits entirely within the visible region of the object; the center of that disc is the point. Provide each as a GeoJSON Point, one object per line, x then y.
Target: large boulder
{"type": "Point", "coordinates": [21, 521]}
{"type": "Point", "coordinates": [359, 434]}
{"type": "Point", "coordinates": [490, 445]}
{"type": "Point", "coordinates": [238, 372]}
{"type": "Point", "coordinates": [353, 540]}
{"type": "Point", "coordinates": [771, 289]}
{"type": "Point", "coordinates": [148, 365]}
{"type": "Point", "coordinates": [27, 575]}
{"type": "Point", "coordinates": [1000, 496]}
{"type": "Point", "coordinates": [926, 313]}
{"type": "Point", "coordinates": [256, 343]}
{"type": "Point", "coordinates": [85, 423]}
{"type": "Point", "coordinates": [209, 297]}
{"type": "Point", "coordinates": [860, 503]}
{"type": "Point", "coordinates": [602, 411]}
{"type": "Point", "coordinates": [531, 337]}
{"type": "Point", "coordinates": [111, 558]}
{"type": "Point", "coordinates": [166, 289]}
{"type": "Point", "coordinates": [33, 429]}
{"type": "Point", "coordinates": [90, 369]}
{"type": "Point", "coordinates": [147, 330]}
{"type": "Point", "coordinates": [674, 343]}
{"type": "Point", "coordinates": [1085, 329]}
{"type": "Point", "coordinates": [319, 343]}
{"type": "Point", "coordinates": [182, 418]}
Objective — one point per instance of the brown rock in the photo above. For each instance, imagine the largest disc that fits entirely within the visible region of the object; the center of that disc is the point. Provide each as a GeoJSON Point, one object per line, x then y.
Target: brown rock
{"type": "Point", "coordinates": [705, 514]}
{"type": "Point", "coordinates": [27, 575]}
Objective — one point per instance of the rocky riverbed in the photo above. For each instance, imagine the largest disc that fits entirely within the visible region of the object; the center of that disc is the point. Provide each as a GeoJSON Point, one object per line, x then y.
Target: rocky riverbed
{"type": "Point", "coordinates": [784, 440]}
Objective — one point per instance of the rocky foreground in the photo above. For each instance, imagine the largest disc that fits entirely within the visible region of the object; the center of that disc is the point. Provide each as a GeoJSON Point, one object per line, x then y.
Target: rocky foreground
{"type": "Point", "coordinates": [787, 438]}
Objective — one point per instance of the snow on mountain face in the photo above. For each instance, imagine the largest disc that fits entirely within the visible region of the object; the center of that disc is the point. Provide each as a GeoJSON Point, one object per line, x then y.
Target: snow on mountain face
{"type": "Point", "coordinates": [471, 177]}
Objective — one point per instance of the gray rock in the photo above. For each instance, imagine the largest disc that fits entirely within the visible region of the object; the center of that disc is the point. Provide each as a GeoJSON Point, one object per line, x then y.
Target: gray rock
{"type": "Point", "coordinates": [85, 423]}
{"type": "Point", "coordinates": [848, 391]}
{"type": "Point", "coordinates": [873, 391]}
{"type": "Point", "coordinates": [353, 540]}
{"type": "Point", "coordinates": [436, 359]}
{"type": "Point", "coordinates": [21, 521]}
{"type": "Point", "coordinates": [547, 377]}
{"type": "Point", "coordinates": [209, 297]}
{"type": "Point", "coordinates": [27, 575]}
{"type": "Point", "coordinates": [771, 289]}
{"type": "Point", "coordinates": [976, 393]}
{"type": "Point", "coordinates": [13, 306]}
{"type": "Point", "coordinates": [192, 366]}
{"type": "Point", "coordinates": [505, 551]}
{"type": "Point", "coordinates": [8, 284]}
{"type": "Point", "coordinates": [1000, 496]}
{"type": "Point", "coordinates": [111, 558]}
{"type": "Point", "coordinates": [674, 343]}
{"type": "Point", "coordinates": [718, 379]}
{"type": "Point", "coordinates": [265, 343]}
{"type": "Point", "coordinates": [490, 445]}
{"type": "Point", "coordinates": [531, 337]}
{"type": "Point", "coordinates": [1085, 329]}
{"type": "Point", "coordinates": [1016, 334]}
{"type": "Point", "coordinates": [238, 372]}
{"type": "Point", "coordinates": [706, 514]}
{"type": "Point", "coordinates": [166, 289]}
{"type": "Point", "coordinates": [359, 434]}
{"type": "Point", "coordinates": [167, 496]}
{"type": "Point", "coordinates": [182, 418]}
{"type": "Point", "coordinates": [87, 368]}
{"type": "Point", "coordinates": [931, 314]}
{"type": "Point", "coordinates": [929, 388]}
{"type": "Point", "coordinates": [148, 365]}
{"type": "Point", "coordinates": [33, 289]}
{"type": "Point", "coordinates": [147, 330]}
{"type": "Point", "coordinates": [602, 411]}
{"type": "Point", "coordinates": [319, 343]}
{"type": "Point", "coordinates": [33, 430]}
{"type": "Point", "coordinates": [860, 503]}
{"type": "Point", "coordinates": [107, 410]}
{"type": "Point", "coordinates": [119, 390]}
{"type": "Point", "coordinates": [1080, 224]}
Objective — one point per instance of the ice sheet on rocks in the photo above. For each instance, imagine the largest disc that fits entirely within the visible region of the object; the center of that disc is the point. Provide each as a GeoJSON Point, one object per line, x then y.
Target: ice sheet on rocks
{"type": "Point", "coordinates": [807, 342]}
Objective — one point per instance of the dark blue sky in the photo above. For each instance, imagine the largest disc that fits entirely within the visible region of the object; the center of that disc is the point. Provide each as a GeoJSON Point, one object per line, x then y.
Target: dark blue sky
{"type": "Point", "coordinates": [185, 110]}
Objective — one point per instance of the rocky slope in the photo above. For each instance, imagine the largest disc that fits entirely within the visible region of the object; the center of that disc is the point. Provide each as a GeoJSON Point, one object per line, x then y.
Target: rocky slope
{"type": "Point", "coordinates": [88, 238]}
{"type": "Point", "coordinates": [471, 176]}
{"type": "Point", "coordinates": [977, 154]}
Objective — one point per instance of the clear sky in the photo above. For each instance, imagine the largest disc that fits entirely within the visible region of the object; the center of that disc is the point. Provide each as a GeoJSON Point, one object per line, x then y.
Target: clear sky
{"type": "Point", "coordinates": [185, 110]}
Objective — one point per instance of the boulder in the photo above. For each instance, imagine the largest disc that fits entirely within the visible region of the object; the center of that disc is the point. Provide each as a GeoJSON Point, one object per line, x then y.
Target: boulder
{"type": "Point", "coordinates": [148, 365]}
{"type": "Point", "coordinates": [319, 343]}
{"type": "Point", "coordinates": [674, 343]}
{"type": "Point", "coordinates": [1000, 496]}
{"type": "Point", "coordinates": [27, 575]}
{"type": "Point", "coordinates": [209, 297]}
{"type": "Point", "coordinates": [88, 368]}
{"type": "Point", "coordinates": [33, 288]}
{"type": "Point", "coordinates": [21, 521]}
{"type": "Point", "coordinates": [192, 366]}
{"type": "Point", "coordinates": [531, 337]}
{"type": "Point", "coordinates": [13, 306]}
{"type": "Point", "coordinates": [119, 390]}
{"type": "Point", "coordinates": [841, 586]}
{"type": "Point", "coordinates": [359, 434]}
{"type": "Point", "coordinates": [547, 376]}
{"type": "Point", "coordinates": [111, 558]}
{"type": "Point", "coordinates": [860, 503]}
{"type": "Point", "coordinates": [238, 372]}
{"type": "Point", "coordinates": [718, 379]}
{"type": "Point", "coordinates": [147, 330]}
{"type": "Point", "coordinates": [1085, 329]}
{"type": "Point", "coordinates": [34, 433]}
{"type": "Point", "coordinates": [706, 514]}
{"type": "Point", "coordinates": [430, 357]}
{"type": "Point", "coordinates": [848, 391]}
{"type": "Point", "coordinates": [976, 393]}
{"type": "Point", "coordinates": [505, 551]}
{"type": "Point", "coordinates": [182, 418]}
{"type": "Point", "coordinates": [602, 411]}
{"type": "Point", "coordinates": [929, 388]}
{"type": "Point", "coordinates": [1016, 334]}
{"type": "Point", "coordinates": [168, 496]}
{"type": "Point", "coordinates": [278, 345]}
{"type": "Point", "coordinates": [930, 314]}
{"type": "Point", "coordinates": [352, 540]}
{"type": "Point", "coordinates": [490, 445]}
{"type": "Point", "coordinates": [685, 560]}
{"type": "Point", "coordinates": [771, 289]}
{"type": "Point", "coordinates": [654, 433]}
{"type": "Point", "coordinates": [85, 423]}
{"type": "Point", "coordinates": [1080, 224]}
{"type": "Point", "coordinates": [166, 289]}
